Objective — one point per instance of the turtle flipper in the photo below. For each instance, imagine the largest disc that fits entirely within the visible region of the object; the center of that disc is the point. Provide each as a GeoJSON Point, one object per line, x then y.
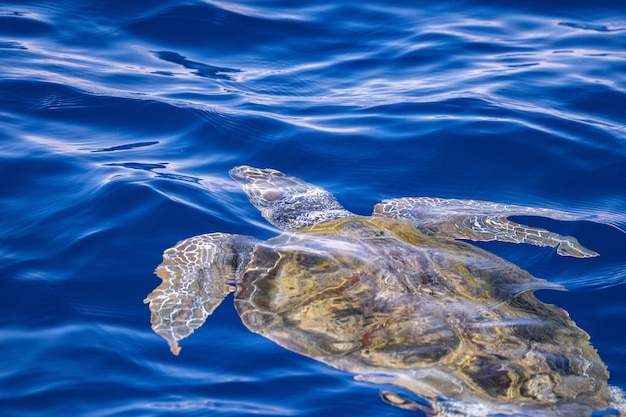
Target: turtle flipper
{"type": "Point", "coordinates": [196, 274]}
{"type": "Point", "coordinates": [482, 221]}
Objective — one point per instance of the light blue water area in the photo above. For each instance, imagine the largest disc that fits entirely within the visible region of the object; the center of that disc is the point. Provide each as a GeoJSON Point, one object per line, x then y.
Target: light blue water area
{"type": "Point", "coordinates": [120, 120]}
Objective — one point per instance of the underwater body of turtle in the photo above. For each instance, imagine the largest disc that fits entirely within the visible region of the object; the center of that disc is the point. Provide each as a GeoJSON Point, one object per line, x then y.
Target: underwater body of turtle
{"type": "Point", "coordinates": [395, 299]}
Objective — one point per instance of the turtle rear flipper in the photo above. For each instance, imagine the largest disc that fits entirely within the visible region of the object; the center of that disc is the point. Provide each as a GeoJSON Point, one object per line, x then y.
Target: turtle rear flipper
{"type": "Point", "coordinates": [197, 275]}
{"type": "Point", "coordinates": [481, 221]}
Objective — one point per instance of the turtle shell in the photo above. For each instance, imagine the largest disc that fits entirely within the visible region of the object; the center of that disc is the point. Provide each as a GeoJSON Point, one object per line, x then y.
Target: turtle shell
{"type": "Point", "coordinates": [441, 318]}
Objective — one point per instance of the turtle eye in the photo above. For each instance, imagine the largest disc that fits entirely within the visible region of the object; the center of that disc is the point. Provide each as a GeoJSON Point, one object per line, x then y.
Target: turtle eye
{"type": "Point", "coordinates": [272, 195]}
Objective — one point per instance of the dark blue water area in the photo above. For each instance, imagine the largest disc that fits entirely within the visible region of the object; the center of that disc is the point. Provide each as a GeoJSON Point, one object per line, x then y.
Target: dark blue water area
{"type": "Point", "coordinates": [120, 120]}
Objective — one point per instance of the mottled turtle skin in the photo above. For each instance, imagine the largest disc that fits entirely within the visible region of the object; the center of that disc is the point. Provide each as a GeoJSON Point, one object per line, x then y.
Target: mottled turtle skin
{"type": "Point", "coordinates": [394, 299]}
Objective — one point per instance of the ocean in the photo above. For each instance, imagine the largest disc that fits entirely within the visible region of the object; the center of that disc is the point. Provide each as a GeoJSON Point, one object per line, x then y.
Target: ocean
{"type": "Point", "coordinates": [120, 120]}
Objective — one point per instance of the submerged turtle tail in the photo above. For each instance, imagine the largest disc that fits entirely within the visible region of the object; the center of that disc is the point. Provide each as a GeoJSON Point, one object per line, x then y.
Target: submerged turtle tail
{"type": "Point", "coordinates": [285, 201]}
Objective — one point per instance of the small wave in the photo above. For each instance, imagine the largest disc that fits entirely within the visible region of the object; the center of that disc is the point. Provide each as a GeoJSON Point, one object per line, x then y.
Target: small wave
{"type": "Point", "coordinates": [595, 27]}
{"type": "Point", "coordinates": [18, 23]}
{"type": "Point", "coordinates": [126, 146]}
{"type": "Point", "coordinates": [12, 45]}
{"type": "Point", "coordinates": [202, 70]}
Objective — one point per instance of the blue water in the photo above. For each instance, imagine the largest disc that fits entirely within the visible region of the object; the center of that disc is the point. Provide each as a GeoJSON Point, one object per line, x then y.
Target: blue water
{"type": "Point", "coordinates": [120, 119]}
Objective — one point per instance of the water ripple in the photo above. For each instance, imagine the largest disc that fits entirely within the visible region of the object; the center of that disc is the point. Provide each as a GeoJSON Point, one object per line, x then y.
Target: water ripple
{"type": "Point", "coordinates": [121, 119]}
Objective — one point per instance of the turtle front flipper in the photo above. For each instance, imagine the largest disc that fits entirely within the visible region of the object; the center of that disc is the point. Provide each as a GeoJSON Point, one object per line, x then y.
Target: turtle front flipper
{"type": "Point", "coordinates": [197, 275]}
{"type": "Point", "coordinates": [481, 221]}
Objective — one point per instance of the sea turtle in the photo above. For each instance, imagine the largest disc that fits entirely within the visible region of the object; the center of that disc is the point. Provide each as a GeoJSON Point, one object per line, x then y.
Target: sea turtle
{"type": "Point", "coordinates": [396, 299]}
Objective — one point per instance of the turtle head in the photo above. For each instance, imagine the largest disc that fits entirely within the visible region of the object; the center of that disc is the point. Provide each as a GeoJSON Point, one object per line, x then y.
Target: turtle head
{"type": "Point", "coordinates": [285, 201]}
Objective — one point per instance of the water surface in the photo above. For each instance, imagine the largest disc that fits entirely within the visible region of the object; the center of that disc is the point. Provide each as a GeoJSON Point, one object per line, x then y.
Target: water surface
{"type": "Point", "coordinates": [121, 119]}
